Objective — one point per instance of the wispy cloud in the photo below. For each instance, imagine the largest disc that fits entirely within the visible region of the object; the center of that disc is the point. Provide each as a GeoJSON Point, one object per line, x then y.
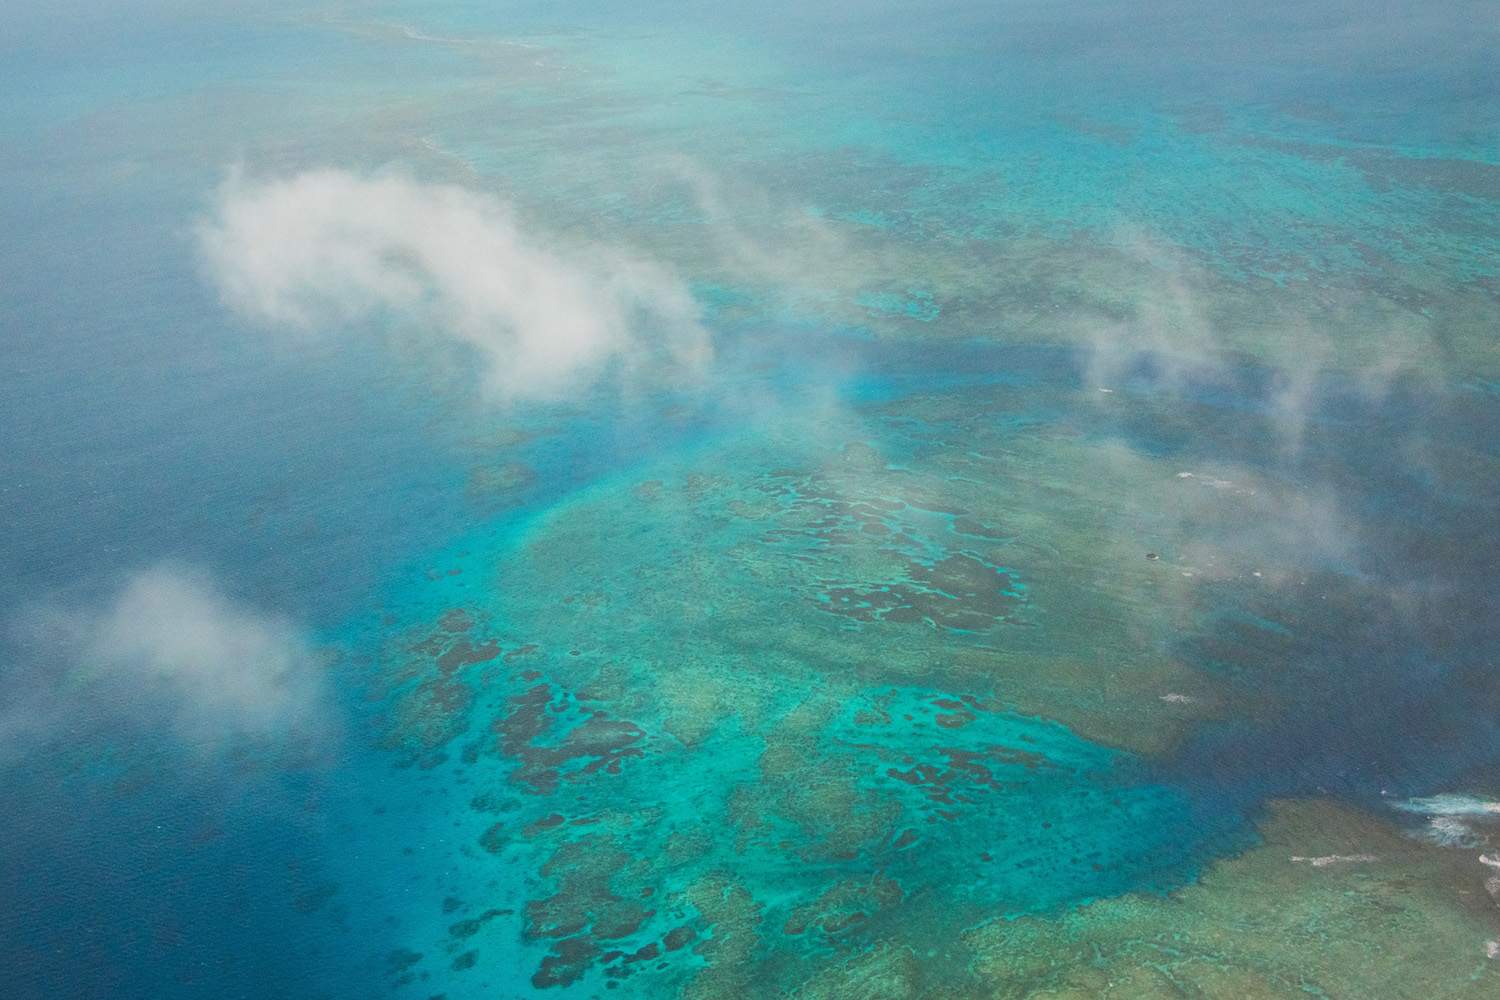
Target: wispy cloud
{"type": "Point", "coordinates": [331, 249]}
{"type": "Point", "coordinates": [754, 236]}
{"type": "Point", "coordinates": [169, 649]}
{"type": "Point", "coordinates": [1173, 327]}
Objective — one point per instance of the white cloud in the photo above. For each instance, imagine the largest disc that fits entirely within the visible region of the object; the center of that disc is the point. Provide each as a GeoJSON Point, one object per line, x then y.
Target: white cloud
{"type": "Point", "coordinates": [330, 248]}
{"type": "Point", "coordinates": [753, 235]}
{"type": "Point", "coordinates": [228, 663]}
{"type": "Point", "coordinates": [169, 648]}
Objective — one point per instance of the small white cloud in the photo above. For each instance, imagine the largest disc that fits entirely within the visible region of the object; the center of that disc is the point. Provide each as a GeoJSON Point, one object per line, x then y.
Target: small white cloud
{"type": "Point", "coordinates": [170, 648]}
{"type": "Point", "coordinates": [330, 248]}
{"type": "Point", "coordinates": [229, 664]}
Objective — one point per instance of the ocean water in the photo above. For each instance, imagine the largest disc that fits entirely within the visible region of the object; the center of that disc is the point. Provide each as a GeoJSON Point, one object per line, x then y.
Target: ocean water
{"type": "Point", "coordinates": [886, 500]}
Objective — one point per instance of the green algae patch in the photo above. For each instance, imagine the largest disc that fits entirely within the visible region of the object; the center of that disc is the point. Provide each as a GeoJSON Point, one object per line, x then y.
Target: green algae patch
{"type": "Point", "coordinates": [875, 702]}
{"type": "Point", "coordinates": [960, 545]}
{"type": "Point", "coordinates": [1335, 903]}
{"type": "Point", "coordinates": [807, 821]}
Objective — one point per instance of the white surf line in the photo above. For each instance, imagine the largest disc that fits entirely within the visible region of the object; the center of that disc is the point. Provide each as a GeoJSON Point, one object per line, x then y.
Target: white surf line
{"type": "Point", "coordinates": [1333, 859]}
{"type": "Point", "coordinates": [1449, 805]}
{"type": "Point", "coordinates": [1450, 818]}
{"type": "Point", "coordinates": [418, 36]}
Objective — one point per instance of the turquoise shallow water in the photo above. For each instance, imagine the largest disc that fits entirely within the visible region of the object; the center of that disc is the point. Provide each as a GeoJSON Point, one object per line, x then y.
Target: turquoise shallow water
{"type": "Point", "coordinates": [1032, 491]}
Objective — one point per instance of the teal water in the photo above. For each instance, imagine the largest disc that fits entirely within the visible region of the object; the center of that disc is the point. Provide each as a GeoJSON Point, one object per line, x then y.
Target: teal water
{"type": "Point", "coordinates": [943, 473]}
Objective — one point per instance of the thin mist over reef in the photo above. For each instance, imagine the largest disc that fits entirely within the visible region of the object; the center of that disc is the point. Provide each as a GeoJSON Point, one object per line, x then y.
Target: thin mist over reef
{"type": "Point", "coordinates": [924, 500]}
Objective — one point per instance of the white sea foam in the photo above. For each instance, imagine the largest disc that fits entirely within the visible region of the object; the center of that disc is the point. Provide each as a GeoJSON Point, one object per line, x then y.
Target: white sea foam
{"type": "Point", "coordinates": [1450, 805]}
{"type": "Point", "coordinates": [1446, 831]}
{"type": "Point", "coordinates": [1333, 859]}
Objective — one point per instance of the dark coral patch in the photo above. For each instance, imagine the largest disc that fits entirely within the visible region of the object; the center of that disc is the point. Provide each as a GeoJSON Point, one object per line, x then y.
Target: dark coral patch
{"type": "Point", "coordinates": [569, 960]}
{"type": "Point", "coordinates": [566, 964]}
{"type": "Point", "coordinates": [455, 621]}
{"type": "Point", "coordinates": [971, 769]}
{"type": "Point", "coordinates": [310, 900]}
{"type": "Point", "coordinates": [647, 953]}
{"type": "Point", "coordinates": [621, 921]}
{"type": "Point", "coordinates": [600, 741]}
{"type": "Point", "coordinates": [468, 928]}
{"type": "Point", "coordinates": [499, 487]}
{"type": "Point", "coordinates": [541, 825]}
{"type": "Point", "coordinates": [678, 937]}
{"type": "Point", "coordinates": [958, 592]}
{"type": "Point", "coordinates": [955, 720]}
{"type": "Point", "coordinates": [463, 654]}
{"type": "Point", "coordinates": [832, 925]}
{"type": "Point", "coordinates": [588, 908]}
{"type": "Point", "coordinates": [585, 867]}
{"type": "Point", "coordinates": [977, 529]}
{"type": "Point", "coordinates": [429, 716]}
{"type": "Point", "coordinates": [555, 916]}
{"type": "Point", "coordinates": [526, 720]}
{"type": "Point", "coordinates": [842, 906]}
